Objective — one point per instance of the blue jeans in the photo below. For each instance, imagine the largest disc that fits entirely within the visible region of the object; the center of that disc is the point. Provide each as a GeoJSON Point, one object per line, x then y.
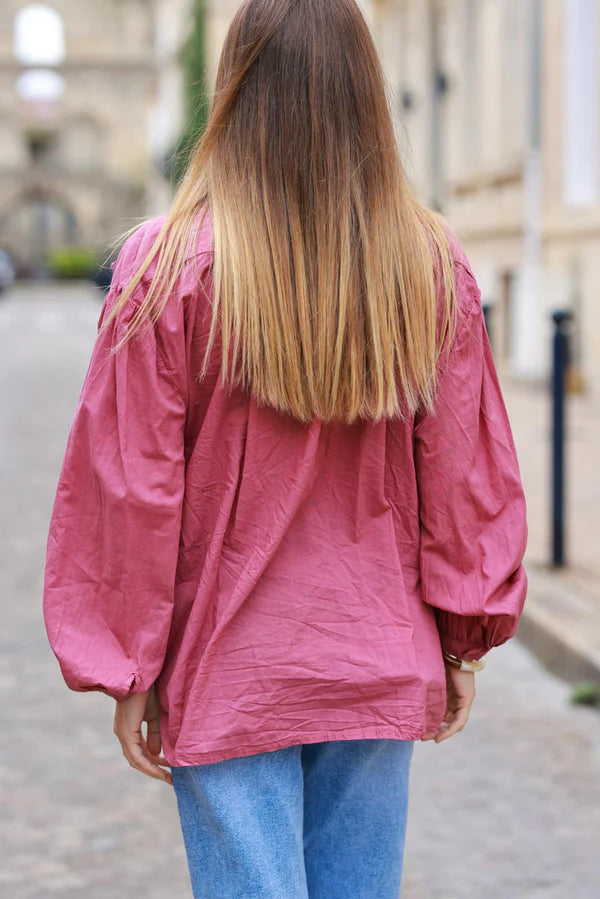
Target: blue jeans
{"type": "Point", "coordinates": [311, 821]}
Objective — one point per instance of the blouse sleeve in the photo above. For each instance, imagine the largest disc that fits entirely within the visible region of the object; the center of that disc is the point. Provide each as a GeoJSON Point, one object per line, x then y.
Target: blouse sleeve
{"type": "Point", "coordinates": [471, 500]}
{"type": "Point", "coordinates": [114, 530]}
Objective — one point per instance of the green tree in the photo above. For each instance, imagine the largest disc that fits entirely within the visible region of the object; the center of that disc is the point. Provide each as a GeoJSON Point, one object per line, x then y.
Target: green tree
{"type": "Point", "coordinates": [193, 63]}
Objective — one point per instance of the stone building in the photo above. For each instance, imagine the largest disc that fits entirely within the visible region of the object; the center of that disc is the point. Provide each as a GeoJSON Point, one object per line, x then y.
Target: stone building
{"type": "Point", "coordinates": [497, 105]}
{"type": "Point", "coordinates": [500, 102]}
{"type": "Point", "coordinates": [90, 101]}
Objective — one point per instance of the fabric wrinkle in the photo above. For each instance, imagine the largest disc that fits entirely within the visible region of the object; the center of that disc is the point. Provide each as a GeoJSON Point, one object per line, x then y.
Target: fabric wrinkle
{"type": "Point", "coordinates": [279, 583]}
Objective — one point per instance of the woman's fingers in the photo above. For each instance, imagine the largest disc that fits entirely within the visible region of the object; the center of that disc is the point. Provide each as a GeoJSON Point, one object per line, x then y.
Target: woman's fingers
{"type": "Point", "coordinates": [460, 697]}
{"type": "Point", "coordinates": [138, 759]}
{"type": "Point", "coordinates": [153, 740]}
{"type": "Point", "coordinates": [454, 724]}
{"type": "Point", "coordinates": [159, 759]}
{"type": "Point", "coordinates": [142, 754]}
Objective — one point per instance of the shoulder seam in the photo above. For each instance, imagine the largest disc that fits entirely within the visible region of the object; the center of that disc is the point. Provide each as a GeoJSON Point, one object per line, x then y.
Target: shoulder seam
{"type": "Point", "coordinates": [476, 299]}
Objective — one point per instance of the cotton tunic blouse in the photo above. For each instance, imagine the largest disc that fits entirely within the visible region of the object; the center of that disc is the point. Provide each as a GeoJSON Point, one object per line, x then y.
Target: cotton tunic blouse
{"type": "Point", "coordinates": [279, 582]}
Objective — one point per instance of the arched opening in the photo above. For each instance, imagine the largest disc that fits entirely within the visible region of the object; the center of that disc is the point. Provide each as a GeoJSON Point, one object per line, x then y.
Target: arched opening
{"type": "Point", "coordinates": [36, 223]}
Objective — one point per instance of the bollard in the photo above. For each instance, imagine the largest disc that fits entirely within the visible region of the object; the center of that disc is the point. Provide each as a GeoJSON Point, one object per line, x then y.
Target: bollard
{"type": "Point", "coordinates": [561, 320]}
{"type": "Point", "coordinates": [487, 314]}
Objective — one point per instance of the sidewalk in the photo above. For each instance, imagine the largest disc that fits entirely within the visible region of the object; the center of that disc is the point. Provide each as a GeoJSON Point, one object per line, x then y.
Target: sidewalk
{"type": "Point", "coordinates": [561, 619]}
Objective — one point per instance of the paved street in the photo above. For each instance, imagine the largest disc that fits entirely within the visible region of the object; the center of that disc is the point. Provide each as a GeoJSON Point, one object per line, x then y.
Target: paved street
{"type": "Point", "coordinates": [508, 809]}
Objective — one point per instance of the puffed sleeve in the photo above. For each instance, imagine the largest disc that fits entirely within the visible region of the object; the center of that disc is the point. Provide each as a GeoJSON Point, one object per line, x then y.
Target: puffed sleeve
{"type": "Point", "coordinates": [114, 531]}
{"type": "Point", "coordinates": [471, 501]}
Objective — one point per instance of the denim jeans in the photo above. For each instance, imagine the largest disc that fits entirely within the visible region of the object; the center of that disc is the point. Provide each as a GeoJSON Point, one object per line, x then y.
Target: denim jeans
{"type": "Point", "coordinates": [311, 821]}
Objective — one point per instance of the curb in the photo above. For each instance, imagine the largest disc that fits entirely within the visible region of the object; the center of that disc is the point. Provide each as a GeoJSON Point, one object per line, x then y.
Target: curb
{"type": "Point", "coordinates": [560, 623]}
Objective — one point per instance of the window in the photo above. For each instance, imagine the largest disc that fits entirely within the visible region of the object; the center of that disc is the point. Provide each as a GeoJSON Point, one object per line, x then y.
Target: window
{"type": "Point", "coordinates": [472, 82]}
{"type": "Point", "coordinates": [39, 35]}
{"type": "Point", "coordinates": [582, 96]}
{"type": "Point", "coordinates": [38, 44]}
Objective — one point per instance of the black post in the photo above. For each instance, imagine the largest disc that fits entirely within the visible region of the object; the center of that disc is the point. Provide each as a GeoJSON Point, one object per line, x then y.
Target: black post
{"type": "Point", "coordinates": [487, 314]}
{"type": "Point", "coordinates": [559, 364]}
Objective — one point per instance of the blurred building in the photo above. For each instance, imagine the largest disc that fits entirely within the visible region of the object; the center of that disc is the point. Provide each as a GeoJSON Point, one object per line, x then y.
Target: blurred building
{"type": "Point", "coordinates": [497, 104]}
{"type": "Point", "coordinates": [90, 102]}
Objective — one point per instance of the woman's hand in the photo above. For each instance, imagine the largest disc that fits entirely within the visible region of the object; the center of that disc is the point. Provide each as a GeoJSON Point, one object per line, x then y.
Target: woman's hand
{"type": "Point", "coordinates": [460, 689]}
{"type": "Point", "coordinates": [143, 754]}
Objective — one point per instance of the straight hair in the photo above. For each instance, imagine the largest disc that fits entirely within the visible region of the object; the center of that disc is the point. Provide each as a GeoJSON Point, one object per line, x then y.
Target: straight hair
{"type": "Point", "coordinates": [327, 270]}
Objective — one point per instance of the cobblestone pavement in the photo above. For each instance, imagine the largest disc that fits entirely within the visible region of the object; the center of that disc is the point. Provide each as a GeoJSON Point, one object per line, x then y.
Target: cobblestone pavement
{"type": "Point", "coordinates": [509, 808]}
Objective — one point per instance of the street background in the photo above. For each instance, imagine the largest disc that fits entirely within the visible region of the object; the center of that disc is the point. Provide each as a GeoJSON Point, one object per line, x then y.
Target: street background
{"type": "Point", "coordinates": [508, 808]}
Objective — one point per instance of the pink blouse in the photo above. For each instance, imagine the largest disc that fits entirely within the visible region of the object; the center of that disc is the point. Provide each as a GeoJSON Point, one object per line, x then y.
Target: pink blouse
{"type": "Point", "coordinates": [280, 583]}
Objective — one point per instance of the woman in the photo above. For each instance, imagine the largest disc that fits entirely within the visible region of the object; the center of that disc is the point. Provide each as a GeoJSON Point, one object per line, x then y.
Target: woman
{"type": "Point", "coordinates": [290, 503]}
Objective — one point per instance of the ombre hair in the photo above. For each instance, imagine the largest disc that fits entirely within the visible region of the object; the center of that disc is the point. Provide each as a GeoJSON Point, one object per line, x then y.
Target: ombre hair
{"type": "Point", "coordinates": [327, 271]}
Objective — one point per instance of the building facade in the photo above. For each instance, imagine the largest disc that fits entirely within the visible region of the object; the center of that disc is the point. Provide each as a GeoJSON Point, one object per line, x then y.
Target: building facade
{"type": "Point", "coordinates": [90, 101]}
{"type": "Point", "coordinates": [497, 106]}
{"type": "Point", "coordinates": [499, 102]}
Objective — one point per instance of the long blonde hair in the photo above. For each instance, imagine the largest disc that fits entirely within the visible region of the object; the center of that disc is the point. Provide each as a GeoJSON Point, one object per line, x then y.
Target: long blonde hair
{"type": "Point", "coordinates": [327, 269]}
